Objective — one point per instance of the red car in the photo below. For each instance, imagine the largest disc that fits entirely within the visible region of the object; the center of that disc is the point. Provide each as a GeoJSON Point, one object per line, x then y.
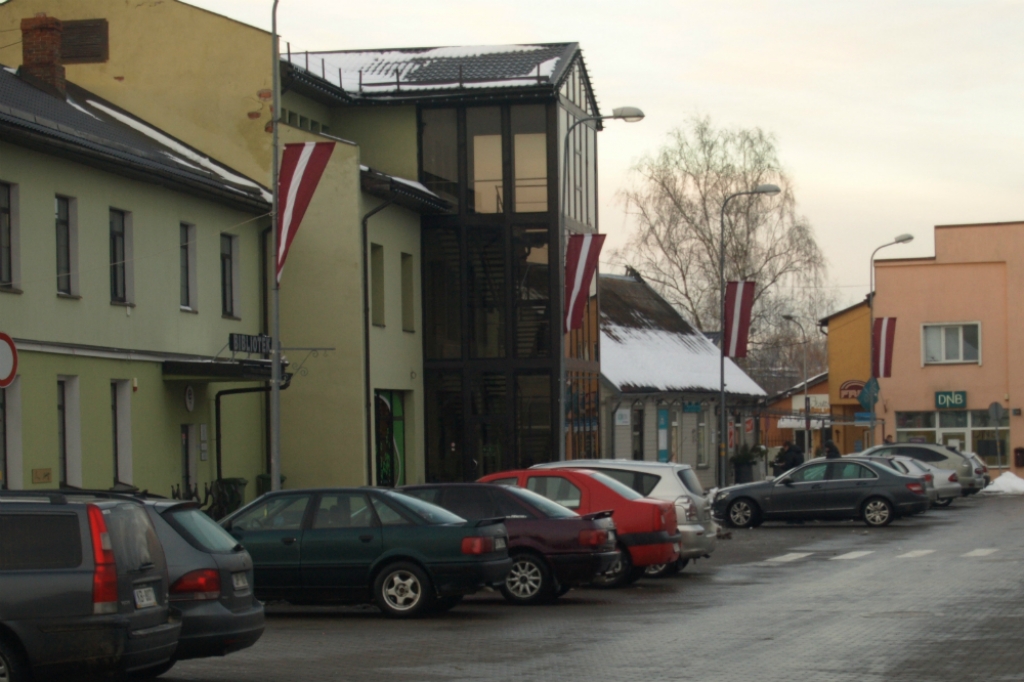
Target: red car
{"type": "Point", "coordinates": [646, 528]}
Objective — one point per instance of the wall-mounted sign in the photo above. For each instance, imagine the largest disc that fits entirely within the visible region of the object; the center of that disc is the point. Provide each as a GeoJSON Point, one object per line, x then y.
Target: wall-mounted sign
{"type": "Point", "coordinates": [819, 403]}
{"type": "Point", "coordinates": [849, 390]}
{"type": "Point", "coordinates": [250, 343]}
{"type": "Point", "coordinates": [748, 425]}
{"type": "Point", "coordinates": [190, 399]}
{"type": "Point", "coordinates": [622, 417]}
{"type": "Point", "coordinates": [8, 360]}
{"type": "Point", "coordinates": [950, 400]}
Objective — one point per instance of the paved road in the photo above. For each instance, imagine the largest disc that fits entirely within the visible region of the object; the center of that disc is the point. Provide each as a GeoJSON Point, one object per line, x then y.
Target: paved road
{"type": "Point", "coordinates": [937, 597]}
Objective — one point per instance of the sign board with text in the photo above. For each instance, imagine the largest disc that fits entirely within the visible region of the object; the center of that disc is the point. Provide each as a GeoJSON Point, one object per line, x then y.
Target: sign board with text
{"type": "Point", "coordinates": [250, 343]}
{"type": "Point", "coordinates": [950, 400]}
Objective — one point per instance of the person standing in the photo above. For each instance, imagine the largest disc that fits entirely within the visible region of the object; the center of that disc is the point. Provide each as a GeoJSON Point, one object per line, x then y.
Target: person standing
{"type": "Point", "coordinates": [831, 451]}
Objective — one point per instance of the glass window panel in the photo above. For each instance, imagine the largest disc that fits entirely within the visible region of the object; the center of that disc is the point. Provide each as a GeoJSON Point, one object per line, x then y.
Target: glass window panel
{"type": "Point", "coordinates": [277, 513]}
{"type": "Point", "coordinates": [183, 264]}
{"type": "Point", "coordinates": [534, 442]}
{"type": "Point", "coordinates": [486, 179]}
{"type": "Point", "coordinates": [970, 338]}
{"type": "Point", "coordinates": [346, 510]}
{"type": "Point", "coordinates": [530, 157]}
{"type": "Point", "coordinates": [952, 338]}
{"type": "Point", "coordinates": [490, 448]}
{"type": "Point", "coordinates": [63, 245]}
{"type": "Point", "coordinates": [915, 420]}
{"type": "Point", "coordinates": [981, 418]}
{"type": "Point", "coordinates": [486, 272]}
{"type": "Point", "coordinates": [556, 489]}
{"type": "Point", "coordinates": [531, 260]}
{"type": "Point", "coordinates": [488, 394]}
{"type": "Point", "coordinates": [6, 274]}
{"type": "Point", "coordinates": [444, 426]}
{"type": "Point", "coordinates": [993, 448]}
{"type": "Point", "coordinates": [117, 257]}
{"type": "Point", "coordinates": [387, 515]}
{"type": "Point", "coordinates": [956, 419]}
{"type": "Point", "coordinates": [933, 344]}
{"type": "Point", "coordinates": [227, 295]}
{"type": "Point", "coordinates": [442, 306]}
{"type": "Point", "coordinates": [814, 472]}
{"type": "Point", "coordinates": [441, 153]}
{"type": "Point", "coordinates": [915, 437]}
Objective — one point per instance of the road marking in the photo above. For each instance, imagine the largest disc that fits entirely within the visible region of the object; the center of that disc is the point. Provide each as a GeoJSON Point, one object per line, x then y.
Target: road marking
{"type": "Point", "coordinates": [852, 555]}
{"type": "Point", "coordinates": [980, 552]}
{"type": "Point", "coordinates": [916, 553]}
{"type": "Point", "coordinates": [790, 557]}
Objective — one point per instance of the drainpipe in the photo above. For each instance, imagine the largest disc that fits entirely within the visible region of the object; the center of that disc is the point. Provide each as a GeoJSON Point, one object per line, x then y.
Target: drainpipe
{"type": "Point", "coordinates": [366, 337]}
{"type": "Point", "coordinates": [234, 391]}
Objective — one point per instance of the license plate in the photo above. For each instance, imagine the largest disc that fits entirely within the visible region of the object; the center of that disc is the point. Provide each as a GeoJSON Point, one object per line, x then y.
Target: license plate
{"type": "Point", "coordinates": [240, 581]}
{"type": "Point", "coordinates": [145, 598]}
{"type": "Point", "coordinates": [500, 543]}
{"type": "Point", "coordinates": [611, 537]}
{"type": "Point", "coordinates": [675, 546]}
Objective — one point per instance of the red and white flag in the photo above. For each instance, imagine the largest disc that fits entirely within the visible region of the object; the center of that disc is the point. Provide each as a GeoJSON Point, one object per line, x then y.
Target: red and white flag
{"type": "Point", "coordinates": [884, 334]}
{"type": "Point", "coordinates": [580, 265]}
{"type": "Point", "coordinates": [739, 301]}
{"type": "Point", "coordinates": [302, 165]}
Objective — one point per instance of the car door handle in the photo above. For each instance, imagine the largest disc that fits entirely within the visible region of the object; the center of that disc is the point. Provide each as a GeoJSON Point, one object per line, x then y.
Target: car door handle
{"type": "Point", "coordinates": [366, 538]}
{"type": "Point", "coordinates": [815, 486]}
{"type": "Point", "coordinates": [288, 541]}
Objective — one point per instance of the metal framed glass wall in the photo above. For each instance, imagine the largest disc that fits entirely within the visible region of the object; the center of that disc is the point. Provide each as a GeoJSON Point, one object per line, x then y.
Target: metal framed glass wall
{"type": "Point", "coordinates": [390, 438]}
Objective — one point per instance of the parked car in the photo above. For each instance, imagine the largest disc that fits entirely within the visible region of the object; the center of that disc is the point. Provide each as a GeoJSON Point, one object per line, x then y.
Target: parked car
{"type": "Point", "coordinates": [938, 455]}
{"type": "Point", "coordinates": [851, 488]}
{"type": "Point", "coordinates": [646, 529]}
{"type": "Point", "coordinates": [980, 469]}
{"type": "Point", "coordinates": [211, 581]}
{"type": "Point", "coordinates": [941, 485]}
{"type": "Point", "coordinates": [553, 548]}
{"type": "Point", "coordinates": [676, 483]}
{"type": "Point", "coordinates": [83, 588]}
{"type": "Point", "coordinates": [355, 545]}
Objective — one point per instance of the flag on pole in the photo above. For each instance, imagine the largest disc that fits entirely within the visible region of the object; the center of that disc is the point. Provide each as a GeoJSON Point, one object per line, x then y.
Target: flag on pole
{"type": "Point", "coordinates": [884, 333]}
{"type": "Point", "coordinates": [739, 301]}
{"type": "Point", "coordinates": [302, 165]}
{"type": "Point", "coordinates": [580, 265]}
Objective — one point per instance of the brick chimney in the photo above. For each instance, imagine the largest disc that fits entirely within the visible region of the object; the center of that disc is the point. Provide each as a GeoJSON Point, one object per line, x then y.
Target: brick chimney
{"type": "Point", "coordinates": [40, 50]}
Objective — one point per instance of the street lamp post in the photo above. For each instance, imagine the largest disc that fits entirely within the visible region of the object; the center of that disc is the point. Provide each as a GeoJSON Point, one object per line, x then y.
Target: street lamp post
{"type": "Point", "coordinates": [901, 239]}
{"type": "Point", "coordinates": [807, 398]}
{"type": "Point", "coordinates": [722, 435]}
{"type": "Point", "coordinates": [629, 115]}
{"type": "Point", "coordinates": [275, 334]}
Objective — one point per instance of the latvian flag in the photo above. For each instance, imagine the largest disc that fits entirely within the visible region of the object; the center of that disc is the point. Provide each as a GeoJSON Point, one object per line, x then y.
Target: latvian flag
{"type": "Point", "coordinates": [739, 302]}
{"type": "Point", "coordinates": [884, 335]}
{"type": "Point", "coordinates": [580, 265]}
{"type": "Point", "coordinates": [302, 165]}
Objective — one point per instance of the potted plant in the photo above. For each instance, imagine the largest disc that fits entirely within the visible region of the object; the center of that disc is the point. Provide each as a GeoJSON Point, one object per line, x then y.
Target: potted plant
{"type": "Point", "coordinates": [744, 460]}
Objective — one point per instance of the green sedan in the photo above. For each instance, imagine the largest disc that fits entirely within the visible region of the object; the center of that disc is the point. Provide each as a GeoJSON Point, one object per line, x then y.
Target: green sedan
{"type": "Point", "coordinates": [357, 545]}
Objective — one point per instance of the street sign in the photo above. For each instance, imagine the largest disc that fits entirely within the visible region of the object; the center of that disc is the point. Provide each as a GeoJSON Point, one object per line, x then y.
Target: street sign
{"type": "Point", "coordinates": [862, 418]}
{"type": "Point", "coordinates": [250, 343]}
{"type": "Point", "coordinates": [8, 360]}
{"type": "Point", "coordinates": [996, 413]}
{"type": "Point", "coordinates": [950, 400]}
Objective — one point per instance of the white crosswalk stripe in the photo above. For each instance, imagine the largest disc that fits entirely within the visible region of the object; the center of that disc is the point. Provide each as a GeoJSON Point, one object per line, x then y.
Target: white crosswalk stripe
{"type": "Point", "coordinates": [790, 557]}
{"type": "Point", "coordinates": [852, 555]}
{"type": "Point", "coordinates": [916, 553]}
{"type": "Point", "coordinates": [980, 552]}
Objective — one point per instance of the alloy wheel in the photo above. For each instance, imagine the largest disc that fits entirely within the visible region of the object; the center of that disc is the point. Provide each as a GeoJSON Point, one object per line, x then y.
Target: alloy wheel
{"type": "Point", "coordinates": [4, 677]}
{"type": "Point", "coordinates": [740, 513]}
{"type": "Point", "coordinates": [402, 591]}
{"type": "Point", "coordinates": [524, 579]}
{"type": "Point", "coordinates": [876, 512]}
{"type": "Point", "coordinates": [654, 570]}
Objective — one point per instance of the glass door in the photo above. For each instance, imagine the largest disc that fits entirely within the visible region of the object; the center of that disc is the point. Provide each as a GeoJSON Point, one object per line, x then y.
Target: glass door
{"type": "Point", "coordinates": [954, 439]}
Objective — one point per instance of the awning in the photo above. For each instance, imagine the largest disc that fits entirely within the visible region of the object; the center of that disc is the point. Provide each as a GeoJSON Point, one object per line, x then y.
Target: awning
{"type": "Point", "coordinates": [219, 370]}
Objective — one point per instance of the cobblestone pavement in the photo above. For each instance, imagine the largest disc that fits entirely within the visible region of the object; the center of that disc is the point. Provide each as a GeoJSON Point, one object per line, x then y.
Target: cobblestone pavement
{"type": "Point", "coordinates": [935, 597]}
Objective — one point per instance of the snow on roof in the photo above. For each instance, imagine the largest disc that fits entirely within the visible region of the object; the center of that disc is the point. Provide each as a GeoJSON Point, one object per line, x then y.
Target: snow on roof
{"type": "Point", "coordinates": [647, 346]}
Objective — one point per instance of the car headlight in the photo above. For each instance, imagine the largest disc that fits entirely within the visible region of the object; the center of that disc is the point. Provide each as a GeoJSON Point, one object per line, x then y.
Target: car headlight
{"type": "Point", "coordinates": [721, 495]}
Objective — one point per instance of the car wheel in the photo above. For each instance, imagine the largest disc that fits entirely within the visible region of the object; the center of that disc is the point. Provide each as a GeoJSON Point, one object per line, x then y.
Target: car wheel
{"type": "Point", "coordinates": [619, 574]}
{"type": "Point", "coordinates": [562, 590]}
{"type": "Point", "coordinates": [444, 604]}
{"type": "Point", "coordinates": [878, 512]}
{"type": "Point", "coordinates": [528, 581]}
{"type": "Point", "coordinates": [943, 503]}
{"type": "Point", "coordinates": [403, 590]}
{"type": "Point", "coordinates": [12, 665]}
{"type": "Point", "coordinates": [743, 513]}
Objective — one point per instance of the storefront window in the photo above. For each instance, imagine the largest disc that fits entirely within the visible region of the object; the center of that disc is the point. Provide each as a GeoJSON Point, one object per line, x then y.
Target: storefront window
{"type": "Point", "coordinates": [915, 420]}
{"type": "Point", "coordinates": [956, 419]}
{"type": "Point", "coordinates": [486, 177]}
{"type": "Point", "coordinates": [967, 431]}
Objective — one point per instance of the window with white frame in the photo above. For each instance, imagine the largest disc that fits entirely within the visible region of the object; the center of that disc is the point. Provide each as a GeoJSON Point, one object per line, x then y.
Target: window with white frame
{"type": "Point", "coordinates": [121, 265]}
{"type": "Point", "coordinates": [9, 270]}
{"type": "Point", "coordinates": [69, 432]}
{"type": "Point", "coordinates": [188, 298]}
{"type": "Point", "coordinates": [65, 217]}
{"type": "Point", "coordinates": [951, 343]}
{"type": "Point", "coordinates": [229, 275]}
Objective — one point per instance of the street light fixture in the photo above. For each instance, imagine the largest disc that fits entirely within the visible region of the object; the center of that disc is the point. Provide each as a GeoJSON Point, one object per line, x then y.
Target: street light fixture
{"type": "Point", "coordinates": [807, 398]}
{"type": "Point", "coordinates": [904, 238]}
{"type": "Point", "coordinates": [769, 190]}
{"type": "Point", "coordinates": [629, 115]}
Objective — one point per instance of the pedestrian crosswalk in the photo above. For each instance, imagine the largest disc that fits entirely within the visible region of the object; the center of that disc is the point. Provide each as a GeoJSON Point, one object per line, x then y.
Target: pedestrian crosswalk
{"type": "Point", "coordinates": [790, 557]}
{"type": "Point", "coordinates": [980, 552]}
{"type": "Point", "coordinates": [860, 554]}
{"type": "Point", "coordinates": [851, 555]}
{"type": "Point", "coordinates": [916, 553]}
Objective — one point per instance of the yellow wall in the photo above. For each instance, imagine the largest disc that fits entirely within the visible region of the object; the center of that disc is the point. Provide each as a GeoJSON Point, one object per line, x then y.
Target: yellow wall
{"type": "Point", "coordinates": [386, 136]}
{"type": "Point", "coordinates": [849, 351]}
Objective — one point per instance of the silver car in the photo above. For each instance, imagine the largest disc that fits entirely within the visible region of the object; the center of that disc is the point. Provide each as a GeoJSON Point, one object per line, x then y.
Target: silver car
{"type": "Point", "coordinates": [677, 483]}
{"type": "Point", "coordinates": [938, 456]}
{"type": "Point", "coordinates": [944, 486]}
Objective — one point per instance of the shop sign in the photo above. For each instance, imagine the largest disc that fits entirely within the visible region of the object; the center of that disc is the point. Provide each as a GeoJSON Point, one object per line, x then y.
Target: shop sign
{"type": "Point", "coordinates": [819, 403]}
{"type": "Point", "coordinates": [850, 390]}
{"type": "Point", "coordinates": [950, 400]}
{"type": "Point", "coordinates": [748, 425]}
{"type": "Point", "coordinates": [622, 417]}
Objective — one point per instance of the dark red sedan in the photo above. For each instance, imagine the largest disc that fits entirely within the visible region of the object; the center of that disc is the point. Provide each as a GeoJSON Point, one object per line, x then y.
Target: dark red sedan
{"type": "Point", "coordinates": [552, 548]}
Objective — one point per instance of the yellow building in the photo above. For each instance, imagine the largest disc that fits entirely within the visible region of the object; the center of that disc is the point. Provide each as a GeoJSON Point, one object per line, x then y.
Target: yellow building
{"type": "Point", "coordinates": [849, 368]}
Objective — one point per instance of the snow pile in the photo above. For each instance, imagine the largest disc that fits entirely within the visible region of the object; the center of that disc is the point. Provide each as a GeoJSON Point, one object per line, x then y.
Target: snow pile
{"type": "Point", "coordinates": [1008, 483]}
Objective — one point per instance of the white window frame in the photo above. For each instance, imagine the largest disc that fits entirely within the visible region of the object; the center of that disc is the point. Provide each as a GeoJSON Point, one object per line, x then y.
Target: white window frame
{"type": "Point", "coordinates": [924, 351]}
{"type": "Point", "coordinates": [72, 431]}
{"type": "Point", "coordinates": [75, 292]}
{"type": "Point", "coordinates": [129, 258]}
{"type": "Point", "coordinates": [236, 313]}
{"type": "Point", "coordinates": [193, 279]}
{"type": "Point", "coordinates": [124, 430]}
{"type": "Point", "coordinates": [15, 284]}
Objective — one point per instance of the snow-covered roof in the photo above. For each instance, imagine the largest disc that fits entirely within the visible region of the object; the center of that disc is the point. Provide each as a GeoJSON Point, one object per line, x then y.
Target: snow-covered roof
{"type": "Point", "coordinates": [647, 346]}
{"type": "Point", "coordinates": [798, 388]}
{"type": "Point", "coordinates": [408, 193]}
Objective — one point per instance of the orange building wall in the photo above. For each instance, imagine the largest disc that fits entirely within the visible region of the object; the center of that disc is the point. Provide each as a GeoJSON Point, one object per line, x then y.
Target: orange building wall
{"type": "Point", "coordinates": [849, 351]}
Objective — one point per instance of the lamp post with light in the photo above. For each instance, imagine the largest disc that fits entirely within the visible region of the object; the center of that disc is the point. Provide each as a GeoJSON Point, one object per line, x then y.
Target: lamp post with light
{"type": "Point", "coordinates": [769, 190]}
{"type": "Point", "coordinates": [629, 115]}
{"type": "Point", "coordinates": [807, 398]}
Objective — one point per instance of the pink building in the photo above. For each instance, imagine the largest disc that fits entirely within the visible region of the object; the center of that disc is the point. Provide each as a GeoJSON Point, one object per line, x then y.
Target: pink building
{"type": "Point", "coordinates": [959, 320]}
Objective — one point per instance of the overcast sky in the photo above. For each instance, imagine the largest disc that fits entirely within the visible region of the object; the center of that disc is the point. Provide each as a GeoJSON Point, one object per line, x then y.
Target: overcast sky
{"type": "Point", "coordinates": [891, 116]}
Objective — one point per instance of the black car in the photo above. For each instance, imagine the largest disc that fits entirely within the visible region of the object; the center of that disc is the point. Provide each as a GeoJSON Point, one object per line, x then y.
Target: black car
{"type": "Point", "coordinates": [83, 588]}
{"type": "Point", "coordinates": [553, 548]}
{"type": "Point", "coordinates": [851, 488]}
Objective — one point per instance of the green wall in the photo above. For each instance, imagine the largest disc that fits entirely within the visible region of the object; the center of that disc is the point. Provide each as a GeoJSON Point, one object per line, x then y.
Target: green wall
{"type": "Point", "coordinates": [386, 137]}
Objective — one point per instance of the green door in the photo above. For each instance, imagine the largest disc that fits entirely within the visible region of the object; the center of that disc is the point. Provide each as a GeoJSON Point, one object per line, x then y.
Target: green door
{"type": "Point", "coordinates": [272, 534]}
{"type": "Point", "coordinates": [342, 542]}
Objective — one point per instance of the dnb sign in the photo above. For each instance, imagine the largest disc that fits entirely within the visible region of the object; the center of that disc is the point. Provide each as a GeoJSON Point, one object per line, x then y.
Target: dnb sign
{"type": "Point", "coordinates": [8, 360]}
{"type": "Point", "coordinates": [950, 400]}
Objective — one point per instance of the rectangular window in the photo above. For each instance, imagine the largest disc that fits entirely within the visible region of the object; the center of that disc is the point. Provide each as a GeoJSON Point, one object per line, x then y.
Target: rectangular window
{"type": "Point", "coordinates": [532, 295]}
{"type": "Point", "coordinates": [533, 421]}
{"type": "Point", "coordinates": [121, 432]}
{"type": "Point", "coordinates": [442, 303]}
{"type": "Point", "coordinates": [377, 285]}
{"type": "Point", "coordinates": [530, 157]}
{"type": "Point", "coordinates": [229, 275]}
{"type": "Point", "coordinates": [6, 237]}
{"type": "Point", "coordinates": [39, 542]}
{"type": "Point", "coordinates": [487, 282]}
{"type": "Point", "coordinates": [188, 300]}
{"type": "Point", "coordinates": [408, 294]}
{"type": "Point", "coordinates": [952, 343]}
{"type": "Point", "coordinates": [62, 433]}
{"type": "Point", "coordinates": [445, 423]}
{"type": "Point", "coordinates": [486, 162]}
{"type": "Point", "coordinates": [441, 153]}
{"type": "Point", "coordinates": [63, 221]}
{"type": "Point", "coordinates": [113, 418]}
{"type": "Point", "coordinates": [118, 257]}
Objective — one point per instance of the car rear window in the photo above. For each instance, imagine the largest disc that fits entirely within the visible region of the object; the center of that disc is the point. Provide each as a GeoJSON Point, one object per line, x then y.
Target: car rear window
{"type": "Point", "coordinates": [200, 530]}
{"type": "Point", "coordinates": [133, 537]}
{"type": "Point", "coordinates": [39, 541]}
{"type": "Point", "coordinates": [623, 490]}
{"type": "Point", "coordinates": [430, 513]}
{"type": "Point", "coordinates": [550, 509]}
{"type": "Point", "coordinates": [691, 481]}
{"type": "Point", "coordinates": [558, 489]}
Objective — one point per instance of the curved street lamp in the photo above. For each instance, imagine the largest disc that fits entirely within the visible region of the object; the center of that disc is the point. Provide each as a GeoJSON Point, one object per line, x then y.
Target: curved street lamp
{"type": "Point", "coordinates": [723, 437]}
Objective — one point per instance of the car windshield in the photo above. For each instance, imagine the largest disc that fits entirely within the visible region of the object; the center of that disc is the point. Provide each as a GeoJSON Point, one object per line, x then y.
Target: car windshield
{"type": "Point", "coordinates": [690, 480]}
{"type": "Point", "coordinates": [201, 530]}
{"type": "Point", "coordinates": [430, 513]}
{"type": "Point", "coordinates": [550, 509]}
{"type": "Point", "coordinates": [621, 489]}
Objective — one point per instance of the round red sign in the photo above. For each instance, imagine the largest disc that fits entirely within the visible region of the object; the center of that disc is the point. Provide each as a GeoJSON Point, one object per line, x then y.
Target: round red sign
{"type": "Point", "coordinates": [8, 360]}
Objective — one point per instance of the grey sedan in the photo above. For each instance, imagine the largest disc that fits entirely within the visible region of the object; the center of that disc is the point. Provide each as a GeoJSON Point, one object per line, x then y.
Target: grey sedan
{"type": "Point", "coordinates": [851, 488]}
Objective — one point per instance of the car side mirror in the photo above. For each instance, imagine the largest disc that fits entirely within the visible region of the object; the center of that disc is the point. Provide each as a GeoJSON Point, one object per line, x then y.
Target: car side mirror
{"type": "Point", "coordinates": [770, 479]}
{"type": "Point", "coordinates": [787, 482]}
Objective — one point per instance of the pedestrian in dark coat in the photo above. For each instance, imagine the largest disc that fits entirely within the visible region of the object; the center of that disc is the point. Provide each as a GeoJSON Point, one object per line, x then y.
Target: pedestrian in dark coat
{"type": "Point", "coordinates": [831, 451]}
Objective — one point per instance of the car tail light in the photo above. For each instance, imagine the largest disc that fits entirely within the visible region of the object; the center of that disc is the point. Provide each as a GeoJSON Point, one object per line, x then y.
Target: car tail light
{"type": "Point", "coordinates": [593, 538]}
{"type": "Point", "coordinates": [104, 576]}
{"type": "Point", "coordinates": [202, 584]}
{"type": "Point", "coordinates": [953, 478]}
{"type": "Point", "coordinates": [477, 545]}
{"type": "Point", "coordinates": [660, 519]}
{"type": "Point", "coordinates": [928, 478]}
{"type": "Point", "coordinates": [980, 470]}
{"type": "Point", "coordinates": [916, 488]}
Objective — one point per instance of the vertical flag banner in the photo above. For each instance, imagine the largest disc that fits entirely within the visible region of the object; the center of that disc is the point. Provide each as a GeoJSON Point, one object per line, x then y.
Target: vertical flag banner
{"type": "Point", "coordinates": [884, 333]}
{"type": "Point", "coordinates": [739, 302]}
{"type": "Point", "coordinates": [580, 265]}
{"type": "Point", "coordinates": [302, 166]}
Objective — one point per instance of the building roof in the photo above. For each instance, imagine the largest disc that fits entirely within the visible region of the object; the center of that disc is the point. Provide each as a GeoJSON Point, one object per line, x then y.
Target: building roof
{"type": "Point", "coordinates": [799, 388]}
{"type": "Point", "coordinates": [88, 129]}
{"type": "Point", "coordinates": [824, 321]}
{"type": "Point", "coordinates": [406, 193]}
{"type": "Point", "coordinates": [647, 346]}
